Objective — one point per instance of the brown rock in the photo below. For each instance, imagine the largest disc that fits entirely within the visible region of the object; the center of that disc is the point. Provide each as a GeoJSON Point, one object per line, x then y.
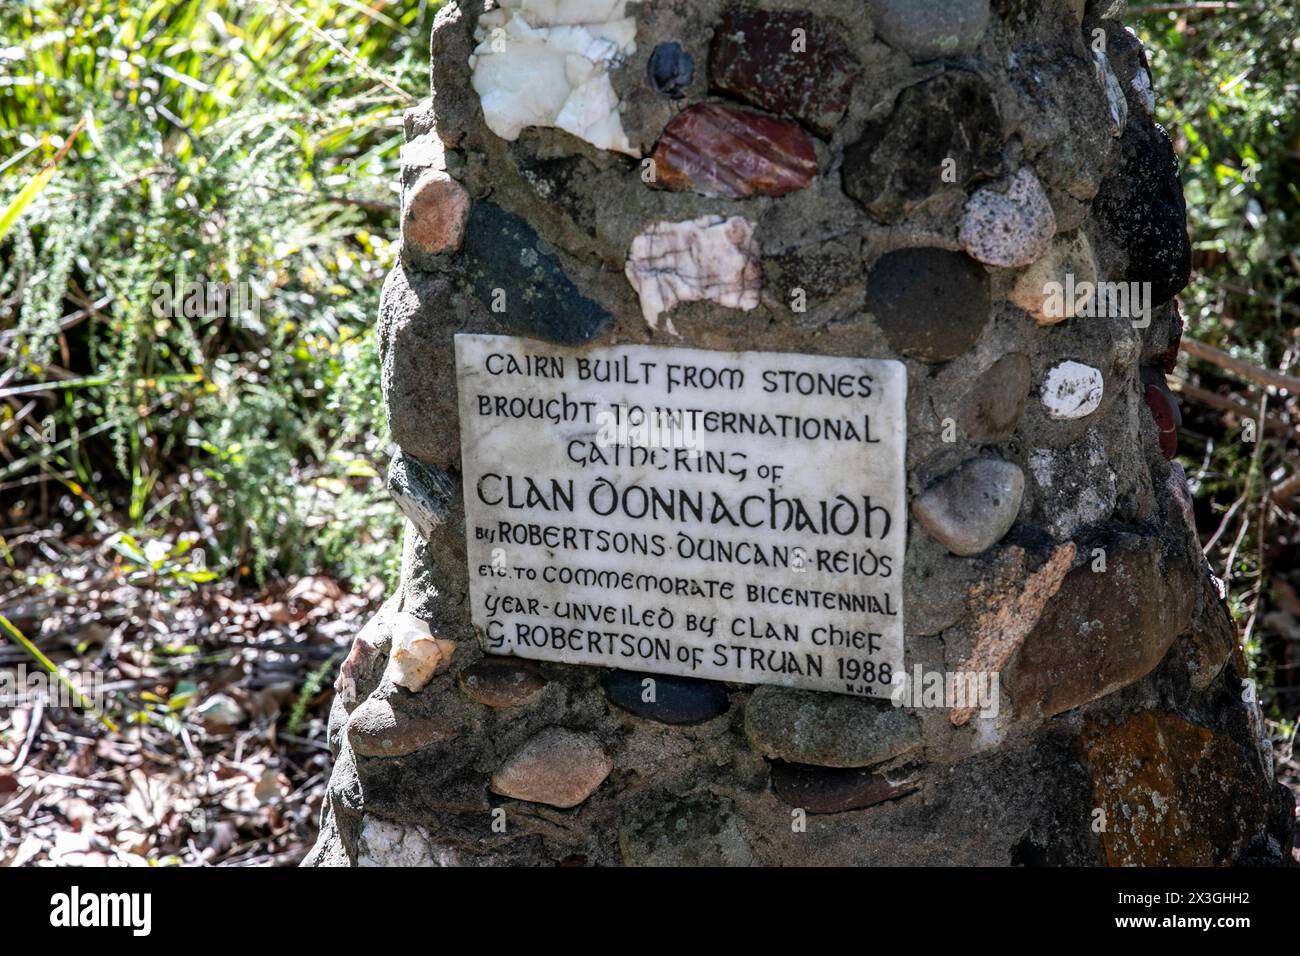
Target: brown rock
{"type": "Point", "coordinates": [757, 56]}
{"type": "Point", "coordinates": [1173, 793]}
{"type": "Point", "coordinates": [376, 730]}
{"type": "Point", "coordinates": [557, 767]}
{"type": "Point", "coordinates": [1104, 629]}
{"type": "Point", "coordinates": [435, 215]}
{"type": "Point", "coordinates": [501, 683]}
{"type": "Point", "coordinates": [718, 151]}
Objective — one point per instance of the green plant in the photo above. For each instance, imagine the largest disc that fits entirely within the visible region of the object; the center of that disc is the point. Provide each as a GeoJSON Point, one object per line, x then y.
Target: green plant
{"type": "Point", "coordinates": [250, 146]}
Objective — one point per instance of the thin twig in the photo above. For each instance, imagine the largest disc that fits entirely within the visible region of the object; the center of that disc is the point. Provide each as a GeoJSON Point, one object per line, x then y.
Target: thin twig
{"type": "Point", "coordinates": [1247, 370]}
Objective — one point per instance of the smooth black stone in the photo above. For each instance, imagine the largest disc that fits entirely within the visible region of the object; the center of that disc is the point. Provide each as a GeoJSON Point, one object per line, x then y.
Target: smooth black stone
{"type": "Point", "coordinates": [901, 159]}
{"type": "Point", "coordinates": [678, 700]}
{"type": "Point", "coordinates": [930, 303]}
{"type": "Point", "coordinates": [501, 251]}
{"type": "Point", "coordinates": [670, 70]}
{"type": "Point", "coordinates": [1142, 208]}
{"type": "Point", "coordinates": [833, 789]}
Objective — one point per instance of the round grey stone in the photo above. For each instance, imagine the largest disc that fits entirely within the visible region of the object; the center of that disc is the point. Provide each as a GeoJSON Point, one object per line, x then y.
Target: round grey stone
{"type": "Point", "coordinates": [926, 29]}
{"type": "Point", "coordinates": [827, 730]}
{"type": "Point", "coordinates": [970, 510]}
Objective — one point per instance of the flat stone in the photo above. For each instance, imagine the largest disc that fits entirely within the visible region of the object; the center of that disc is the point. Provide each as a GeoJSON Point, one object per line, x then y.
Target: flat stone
{"type": "Point", "coordinates": [717, 151]}
{"type": "Point", "coordinates": [993, 407]}
{"type": "Point", "coordinates": [558, 767]}
{"type": "Point", "coordinates": [1214, 633]}
{"type": "Point", "coordinates": [926, 29]}
{"type": "Point", "coordinates": [1010, 223]}
{"type": "Point", "coordinates": [1071, 390]}
{"type": "Point", "coordinates": [1141, 206]}
{"type": "Point", "coordinates": [1115, 98]}
{"type": "Point", "coordinates": [705, 259]}
{"type": "Point", "coordinates": [424, 494]}
{"type": "Point", "coordinates": [1143, 91]}
{"type": "Point", "coordinates": [1104, 629]}
{"type": "Point", "coordinates": [670, 70]}
{"type": "Point", "coordinates": [1163, 407]}
{"type": "Point", "coordinates": [834, 789]}
{"type": "Point", "coordinates": [501, 683]}
{"type": "Point", "coordinates": [435, 215]}
{"type": "Point", "coordinates": [827, 730]}
{"type": "Point", "coordinates": [973, 508]}
{"type": "Point", "coordinates": [375, 729]}
{"type": "Point", "coordinates": [931, 304]}
{"type": "Point", "coordinates": [755, 57]}
{"type": "Point", "coordinates": [948, 124]}
{"type": "Point", "coordinates": [522, 283]}
{"type": "Point", "coordinates": [1163, 781]}
{"type": "Point", "coordinates": [1046, 290]}
{"type": "Point", "coordinates": [676, 700]}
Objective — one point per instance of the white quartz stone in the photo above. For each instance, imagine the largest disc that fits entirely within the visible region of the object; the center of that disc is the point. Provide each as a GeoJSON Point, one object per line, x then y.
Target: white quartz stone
{"type": "Point", "coordinates": [416, 654]}
{"type": "Point", "coordinates": [382, 843]}
{"type": "Point", "coordinates": [547, 63]}
{"type": "Point", "coordinates": [1071, 390]}
{"type": "Point", "coordinates": [758, 540]}
{"type": "Point", "coordinates": [709, 258]}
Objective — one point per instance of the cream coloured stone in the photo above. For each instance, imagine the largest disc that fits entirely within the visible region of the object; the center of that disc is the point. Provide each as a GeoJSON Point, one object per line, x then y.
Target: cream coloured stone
{"type": "Point", "coordinates": [1046, 291]}
{"type": "Point", "coordinates": [709, 258]}
{"type": "Point", "coordinates": [547, 63]}
{"type": "Point", "coordinates": [416, 654]}
{"type": "Point", "coordinates": [1071, 390]}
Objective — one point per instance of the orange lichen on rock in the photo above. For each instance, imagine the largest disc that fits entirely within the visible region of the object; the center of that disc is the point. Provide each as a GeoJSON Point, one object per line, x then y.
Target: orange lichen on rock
{"type": "Point", "coordinates": [1171, 793]}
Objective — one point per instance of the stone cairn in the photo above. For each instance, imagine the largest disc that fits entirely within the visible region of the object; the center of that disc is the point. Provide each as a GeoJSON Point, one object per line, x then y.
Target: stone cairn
{"type": "Point", "coordinates": [893, 179]}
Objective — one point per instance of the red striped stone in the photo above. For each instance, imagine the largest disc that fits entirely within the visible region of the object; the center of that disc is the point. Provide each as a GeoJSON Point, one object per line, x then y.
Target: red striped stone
{"type": "Point", "coordinates": [718, 151]}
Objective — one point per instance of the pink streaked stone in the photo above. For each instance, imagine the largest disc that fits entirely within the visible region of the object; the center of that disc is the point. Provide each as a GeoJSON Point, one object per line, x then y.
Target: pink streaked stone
{"type": "Point", "coordinates": [718, 151]}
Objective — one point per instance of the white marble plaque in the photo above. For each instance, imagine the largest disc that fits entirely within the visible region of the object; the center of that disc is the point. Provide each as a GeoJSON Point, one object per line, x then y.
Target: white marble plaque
{"type": "Point", "coordinates": [736, 516]}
